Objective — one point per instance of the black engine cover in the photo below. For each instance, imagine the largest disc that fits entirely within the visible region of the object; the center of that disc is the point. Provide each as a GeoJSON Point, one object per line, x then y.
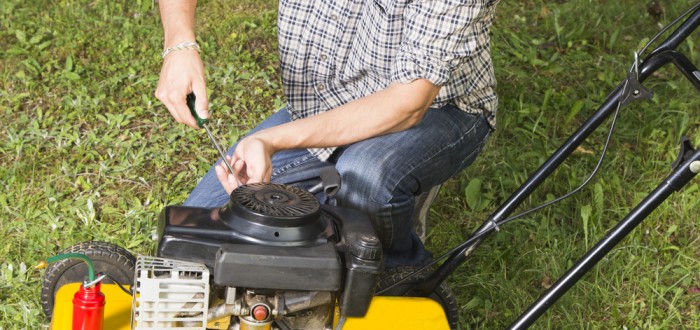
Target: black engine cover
{"type": "Point", "coordinates": [314, 268]}
{"type": "Point", "coordinates": [298, 245]}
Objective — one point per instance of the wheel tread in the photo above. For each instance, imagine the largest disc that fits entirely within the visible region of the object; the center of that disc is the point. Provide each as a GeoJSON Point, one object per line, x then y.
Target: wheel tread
{"type": "Point", "coordinates": [103, 255]}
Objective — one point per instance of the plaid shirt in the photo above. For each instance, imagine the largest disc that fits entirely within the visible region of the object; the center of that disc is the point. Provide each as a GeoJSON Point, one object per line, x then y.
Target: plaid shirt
{"type": "Point", "coordinates": [333, 52]}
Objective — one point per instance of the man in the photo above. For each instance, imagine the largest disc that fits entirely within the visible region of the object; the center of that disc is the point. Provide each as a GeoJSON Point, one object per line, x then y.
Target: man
{"type": "Point", "coordinates": [398, 95]}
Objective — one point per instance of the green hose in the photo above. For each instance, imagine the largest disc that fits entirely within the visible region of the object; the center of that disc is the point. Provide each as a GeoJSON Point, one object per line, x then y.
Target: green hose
{"type": "Point", "coordinates": [90, 265]}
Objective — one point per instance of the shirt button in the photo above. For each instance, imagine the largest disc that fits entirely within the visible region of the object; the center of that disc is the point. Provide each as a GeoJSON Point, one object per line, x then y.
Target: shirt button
{"type": "Point", "coordinates": [324, 57]}
{"type": "Point", "coordinates": [334, 17]}
{"type": "Point", "coordinates": [321, 87]}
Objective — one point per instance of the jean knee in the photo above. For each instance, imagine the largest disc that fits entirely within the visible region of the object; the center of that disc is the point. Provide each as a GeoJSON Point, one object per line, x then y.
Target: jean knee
{"type": "Point", "coordinates": [373, 190]}
{"type": "Point", "coordinates": [368, 182]}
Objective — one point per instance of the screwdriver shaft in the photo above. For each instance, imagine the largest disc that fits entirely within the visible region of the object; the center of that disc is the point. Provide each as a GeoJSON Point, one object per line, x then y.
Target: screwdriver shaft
{"type": "Point", "coordinates": [221, 153]}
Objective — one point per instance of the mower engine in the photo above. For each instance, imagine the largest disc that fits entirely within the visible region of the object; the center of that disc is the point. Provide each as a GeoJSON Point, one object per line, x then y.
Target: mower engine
{"type": "Point", "coordinates": [272, 258]}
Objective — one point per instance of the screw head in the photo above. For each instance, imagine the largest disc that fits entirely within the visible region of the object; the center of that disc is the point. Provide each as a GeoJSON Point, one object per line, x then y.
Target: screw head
{"type": "Point", "coordinates": [695, 166]}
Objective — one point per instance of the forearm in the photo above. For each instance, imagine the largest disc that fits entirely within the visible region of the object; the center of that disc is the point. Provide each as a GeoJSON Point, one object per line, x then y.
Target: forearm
{"type": "Point", "coordinates": [396, 108]}
{"type": "Point", "coordinates": [178, 20]}
{"type": "Point", "coordinates": [183, 71]}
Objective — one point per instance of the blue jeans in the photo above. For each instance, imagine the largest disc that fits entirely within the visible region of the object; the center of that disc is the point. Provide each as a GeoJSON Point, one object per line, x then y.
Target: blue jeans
{"type": "Point", "coordinates": [380, 176]}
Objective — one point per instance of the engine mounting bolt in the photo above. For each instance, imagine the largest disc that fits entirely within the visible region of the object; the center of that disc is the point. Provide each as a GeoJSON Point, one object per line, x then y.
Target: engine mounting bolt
{"type": "Point", "coordinates": [366, 247]}
{"type": "Point", "coordinates": [260, 312]}
{"type": "Point", "coordinates": [695, 166]}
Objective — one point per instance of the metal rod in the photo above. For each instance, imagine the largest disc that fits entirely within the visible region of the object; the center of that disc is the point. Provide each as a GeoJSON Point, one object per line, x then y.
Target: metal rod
{"type": "Point", "coordinates": [221, 153]}
{"type": "Point", "coordinates": [679, 60]}
{"type": "Point", "coordinates": [659, 57]}
{"type": "Point", "coordinates": [525, 190]}
{"type": "Point", "coordinates": [674, 182]}
{"type": "Point", "coordinates": [679, 35]}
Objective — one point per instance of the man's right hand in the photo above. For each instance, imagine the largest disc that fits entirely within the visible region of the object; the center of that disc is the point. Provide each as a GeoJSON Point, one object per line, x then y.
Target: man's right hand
{"type": "Point", "coordinates": [182, 74]}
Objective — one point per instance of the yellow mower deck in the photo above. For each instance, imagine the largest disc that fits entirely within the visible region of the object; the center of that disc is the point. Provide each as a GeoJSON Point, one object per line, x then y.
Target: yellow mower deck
{"type": "Point", "coordinates": [117, 308]}
{"type": "Point", "coordinates": [384, 312]}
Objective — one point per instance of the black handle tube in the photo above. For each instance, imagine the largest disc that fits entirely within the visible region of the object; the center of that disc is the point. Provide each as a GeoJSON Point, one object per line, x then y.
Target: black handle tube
{"type": "Point", "coordinates": [608, 107]}
{"type": "Point", "coordinates": [550, 165]}
{"type": "Point", "coordinates": [659, 57]}
{"type": "Point", "coordinates": [684, 65]}
{"type": "Point", "coordinates": [680, 34]}
{"type": "Point", "coordinates": [674, 182]}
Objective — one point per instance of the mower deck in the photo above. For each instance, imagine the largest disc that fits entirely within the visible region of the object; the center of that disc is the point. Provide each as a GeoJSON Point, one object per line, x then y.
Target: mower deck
{"type": "Point", "coordinates": [384, 312]}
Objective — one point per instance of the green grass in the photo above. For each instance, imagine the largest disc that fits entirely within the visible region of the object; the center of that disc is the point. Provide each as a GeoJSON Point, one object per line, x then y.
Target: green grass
{"type": "Point", "coordinates": [88, 153]}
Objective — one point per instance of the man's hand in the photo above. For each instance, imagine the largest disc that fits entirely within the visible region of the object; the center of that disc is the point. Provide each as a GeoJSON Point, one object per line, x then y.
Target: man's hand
{"type": "Point", "coordinates": [183, 73]}
{"type": "Point", "coordinates": [251, 162]}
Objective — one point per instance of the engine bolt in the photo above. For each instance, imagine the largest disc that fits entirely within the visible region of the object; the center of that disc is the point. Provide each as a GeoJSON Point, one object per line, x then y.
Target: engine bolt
{"type": "Point", "coordinates": [260, 312]}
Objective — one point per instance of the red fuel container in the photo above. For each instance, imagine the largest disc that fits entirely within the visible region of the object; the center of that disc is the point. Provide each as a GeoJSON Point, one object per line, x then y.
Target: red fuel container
{"type": "Point", "coordinates": [88, 308]}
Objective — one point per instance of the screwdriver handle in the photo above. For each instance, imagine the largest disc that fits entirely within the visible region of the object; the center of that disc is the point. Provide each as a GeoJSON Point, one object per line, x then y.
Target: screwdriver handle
{"type": "Point", "coordinates": [190, 104]}
{"type": "Point", "coordinates": [203, 121]}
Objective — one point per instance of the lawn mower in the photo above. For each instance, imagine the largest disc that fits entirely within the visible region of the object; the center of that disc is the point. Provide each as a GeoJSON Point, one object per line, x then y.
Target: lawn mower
{"type": "Point", "coordinates": [275, 258]}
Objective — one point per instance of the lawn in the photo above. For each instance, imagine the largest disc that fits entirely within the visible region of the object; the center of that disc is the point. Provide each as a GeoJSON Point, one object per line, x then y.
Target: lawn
{"type": "Point", "coordinates": [88, 153]}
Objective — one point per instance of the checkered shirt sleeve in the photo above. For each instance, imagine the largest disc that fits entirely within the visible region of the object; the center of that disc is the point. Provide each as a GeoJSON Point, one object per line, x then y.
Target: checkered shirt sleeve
{"type": "Point", "coordinates": [333, 52]}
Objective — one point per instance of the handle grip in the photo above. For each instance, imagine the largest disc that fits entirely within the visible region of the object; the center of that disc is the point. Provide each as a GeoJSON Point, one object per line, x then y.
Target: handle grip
{"type": "Point", "coordinates": [190, 104]}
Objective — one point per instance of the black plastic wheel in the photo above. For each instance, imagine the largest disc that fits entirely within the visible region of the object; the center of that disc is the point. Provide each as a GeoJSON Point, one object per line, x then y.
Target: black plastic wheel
{"type": "Point", "coordinates": [442, 294]}
{"type": "Point", "coordinates": [107, 258]}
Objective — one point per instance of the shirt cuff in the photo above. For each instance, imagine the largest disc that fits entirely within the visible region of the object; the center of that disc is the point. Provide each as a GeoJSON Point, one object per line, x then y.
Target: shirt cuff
{"type": "Point", "coordinates": [409, 67]}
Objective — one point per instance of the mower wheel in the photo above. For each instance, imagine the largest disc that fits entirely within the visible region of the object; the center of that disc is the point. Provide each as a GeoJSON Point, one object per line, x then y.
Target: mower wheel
{"type": "Point", "coordinates": [107, 258]}
{"type": "Point", "coordinates": [442, 294]}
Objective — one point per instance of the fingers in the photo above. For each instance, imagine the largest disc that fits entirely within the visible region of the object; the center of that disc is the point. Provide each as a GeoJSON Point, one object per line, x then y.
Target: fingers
{"type": "Point", "coordinates": [176, 103]}
{"type": "Point", "coordinates": [243, 174]}
{"type": "Point", "coordinates": [181, 112]}
{"type": "Point", "coordinates": [248, 174]}
{"type": "Point", "coordinates": [228, 180]}
{"type": "Point", "coordinates": [250, 164]}
{"type": "Point", "coordinates": [254, 162]}
{"type": "Point", "coordinates": [183, 73]}
{"type": "Point", "coordinates": [201, 102]}
{"type": "Point", "coordinates": [241, 171]}
{"type": "Point", "coordinates": [255, 175]}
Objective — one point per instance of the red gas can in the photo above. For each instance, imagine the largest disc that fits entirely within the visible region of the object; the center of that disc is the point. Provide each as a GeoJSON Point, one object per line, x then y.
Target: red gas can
{"type": "Point", "coordinates": [88, 308]}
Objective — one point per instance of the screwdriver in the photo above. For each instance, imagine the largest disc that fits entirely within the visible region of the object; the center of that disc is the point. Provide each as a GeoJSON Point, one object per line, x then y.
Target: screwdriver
{"type": "Point", "coordinates": [202, 122]}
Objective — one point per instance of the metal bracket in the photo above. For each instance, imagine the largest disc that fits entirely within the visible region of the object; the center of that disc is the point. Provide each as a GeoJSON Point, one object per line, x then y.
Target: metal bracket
{"type": "Point", "coordinates": [686, 151]}
{"type": "Point", "coordinates": [634, 90]}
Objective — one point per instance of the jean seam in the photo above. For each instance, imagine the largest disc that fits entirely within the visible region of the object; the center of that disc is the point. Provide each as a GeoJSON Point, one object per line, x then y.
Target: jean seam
{"type": "Point", "coordinates": [294, 164]}
{"type": "Point", "coordinates": [451, 145]}
{"type": "Point", "coordinates": [476, 151]}
{"type": "Point", "coordinates": [430, 157]}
